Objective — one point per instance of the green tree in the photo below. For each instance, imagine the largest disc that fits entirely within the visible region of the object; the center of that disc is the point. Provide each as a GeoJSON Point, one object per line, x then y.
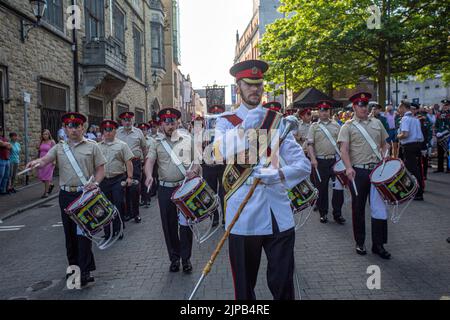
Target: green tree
{"type": "Point", "coordinates": [329, 45]}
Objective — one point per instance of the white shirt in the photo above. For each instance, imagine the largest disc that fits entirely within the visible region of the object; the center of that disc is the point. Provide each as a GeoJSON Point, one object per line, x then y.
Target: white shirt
{"type": "Point", "coordinates": [411, 125]}
{"type": "Point", "coordinates": [256, 218]}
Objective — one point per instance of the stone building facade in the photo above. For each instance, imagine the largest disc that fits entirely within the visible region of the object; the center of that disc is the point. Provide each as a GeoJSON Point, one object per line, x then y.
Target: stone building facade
{"type": "Point", "coordinates": [114, 61]}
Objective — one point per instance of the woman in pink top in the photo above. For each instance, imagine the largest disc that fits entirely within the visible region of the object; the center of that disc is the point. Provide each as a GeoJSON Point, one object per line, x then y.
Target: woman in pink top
{"type": "Point", "coordinates": [45, 174]}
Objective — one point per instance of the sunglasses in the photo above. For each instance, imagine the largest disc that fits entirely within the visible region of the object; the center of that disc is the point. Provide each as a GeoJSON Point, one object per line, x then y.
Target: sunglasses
{"type": "Point", "coordinates": [73, 125]}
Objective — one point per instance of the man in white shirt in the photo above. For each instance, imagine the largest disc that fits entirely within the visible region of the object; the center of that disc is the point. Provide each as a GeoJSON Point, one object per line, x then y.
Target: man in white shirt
{"type": "Point", "coordinates": [411, 138]}
{"type": "Point", "coordinates": [266, 222]}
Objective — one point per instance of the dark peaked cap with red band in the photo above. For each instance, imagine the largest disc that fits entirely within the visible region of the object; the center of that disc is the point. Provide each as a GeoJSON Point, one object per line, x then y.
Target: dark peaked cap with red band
{"type": "Point", "coordinates": [324, 105]}
{"type": "Point", "coordinates": [251, 71]}
{"type": "Point", "coordinates": [169, 113]}
{"type": "Point", "coordinates": [74, 117]}
{"type": "Point", "coordinates": [361, 98]}
{"type": "Point", "coordinates": [126, 115]}
{"type": "Point", "coordinates": [109, 124]}
{"type": "Point", "coordinates": [273, 105]}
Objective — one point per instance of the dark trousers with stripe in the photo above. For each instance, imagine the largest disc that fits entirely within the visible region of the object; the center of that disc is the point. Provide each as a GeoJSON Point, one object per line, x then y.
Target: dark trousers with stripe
{"type": "Point", "coordinates": [113, 190]}
{"type": "Point", "coordinates": [413, 162]}
{"type": "Point", "coordinates": [78, 248]}
{"type": "Point", "coordinates": [245, 257]}
{"type": "Point", "coordinates": [325, 168]}
{"type": "Point", "coordinates": [146, 197]}
{"type": "Point", "coordinates": [179, 245]}
{"type": "Point", "coordinates": [379, 226]}
{"type": "Point", "coordinates": [441, 154]}
{"type": "Point", "coordinates": [213, 176]}
{"type": "Point", "coordinates": [132, 193]}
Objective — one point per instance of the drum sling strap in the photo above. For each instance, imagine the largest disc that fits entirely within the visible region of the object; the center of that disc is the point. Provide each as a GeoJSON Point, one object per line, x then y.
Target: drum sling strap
{"type": "Point", "coordinates": [369, 139]}
{"type": "Point", "coordinates": [235, 175]}
{"type": "Point", "coordinates": [330, 137]}
{"type": "Point", "coordinates": [74, 163]}
{"type": "Point", "coordinates": [173, 156]}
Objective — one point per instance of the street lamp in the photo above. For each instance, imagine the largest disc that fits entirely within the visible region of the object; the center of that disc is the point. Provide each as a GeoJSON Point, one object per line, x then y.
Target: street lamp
{"type": "Point", "coordinates": [39, 7]}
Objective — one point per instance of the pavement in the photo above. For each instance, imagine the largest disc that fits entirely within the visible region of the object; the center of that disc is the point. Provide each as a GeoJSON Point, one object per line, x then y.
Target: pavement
{"type": "Point", "coordinates": [33, 261]}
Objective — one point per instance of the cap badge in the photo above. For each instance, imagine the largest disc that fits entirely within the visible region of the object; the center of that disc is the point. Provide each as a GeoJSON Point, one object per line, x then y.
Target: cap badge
{"type": "Point", "coordinates": [254, 70]}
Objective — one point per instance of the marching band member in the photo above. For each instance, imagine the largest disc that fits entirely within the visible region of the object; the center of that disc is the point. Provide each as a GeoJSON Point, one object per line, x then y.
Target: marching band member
{"type": "Point", "coordinates": [273, 105]}
{"type": "Point", "coordinates": [303, 128]}
{"type": "Point", "coordinates": [118, 167]}
{"type": "Point", "coordinates": [411, 140]}
{"type": "Point", "coordinates": [442, 127]}
{"type": "Point", "coordinates": [91, 162]}
{"type": "Point", "coordinates": [138, 145]}
{"type": "Point", "coordinates": [171, 176]}
{"type": "Point", "coordinates": [267, 221]}
{"type": "Point", "coordinates": [322, 153]}
{"type": "Point", "coordinates": [360, 159]}
{"type": "Point", "coordinates": [145, 196]}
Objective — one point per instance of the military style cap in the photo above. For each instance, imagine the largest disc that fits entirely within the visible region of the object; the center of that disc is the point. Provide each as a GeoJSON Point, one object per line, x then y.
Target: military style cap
{"type": "Point", "coordinates": [415, 105]}
{"type": "Point", "coordinates": [273, 105]}
{"type": "Point", "coordinates": [304, 111]}
{"type": "Point", "coordinates": [109, 124]}
{"type": "Point", "coordinates": [216, 109]}
{"type": "Point", "coordinates": [169, 115]}
{"type": "Point", "coordinates": [154, 122]}
{"type": "Point", "coordinates": [144, 126]}
{"type": "Point", "coordinates": [126, 115]}
{"type": "Point", "coordinates": [361, 98]}
{"type": "Point", "coordinates": [250, 71]}
{"type": "Point", "coordinates": [445, 101]}
{"type": "Point", "coordinates": [324, 105]}
{"type": "Point", "coordinates": [73, 117]}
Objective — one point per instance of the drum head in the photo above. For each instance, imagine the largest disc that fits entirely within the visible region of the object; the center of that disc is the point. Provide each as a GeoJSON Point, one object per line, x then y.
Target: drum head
{"type": "Point", "coordinates": [82, 199]}
{"type": "Point", "coordinates": [391, 168]}
{"type": "Point", "coordinates": [186, 188]}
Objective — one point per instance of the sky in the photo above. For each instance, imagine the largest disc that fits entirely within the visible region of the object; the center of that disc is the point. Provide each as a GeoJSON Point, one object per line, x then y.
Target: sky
{"type": "Point", "coordinates": [208, 37]}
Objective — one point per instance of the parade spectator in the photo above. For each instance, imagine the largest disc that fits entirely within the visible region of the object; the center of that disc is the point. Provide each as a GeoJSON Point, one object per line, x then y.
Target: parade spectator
{"type": "Point", "coordinates": [14, 160]}
{"type": "Point", "coordinates": [45, 174]}
{"type": "Point", "coordinates": [389, 114]}
{"type": "Point", "coordinates": [90, 134]}
{"type": "Point", "coordinates": [377, 113]}
{"type": "Point", "coordinates": [5, 150]}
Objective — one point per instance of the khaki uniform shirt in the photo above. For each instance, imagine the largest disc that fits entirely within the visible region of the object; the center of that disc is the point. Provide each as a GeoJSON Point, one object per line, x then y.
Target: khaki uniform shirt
{"type": "Point", "coordinates": [359, 149]}
{"type": "Point", "coordinates": [86, 153]}
{"type": "Point", "coordinates": [182, 147]}
{"type": "Point", "coordinates": [117, 153]}
{"type": "Point", "coordinates": [134, 139]}
{"type": "Point", "coordinates": [321, 144]}
{"type": "Point", "coordinates": [302, 132]}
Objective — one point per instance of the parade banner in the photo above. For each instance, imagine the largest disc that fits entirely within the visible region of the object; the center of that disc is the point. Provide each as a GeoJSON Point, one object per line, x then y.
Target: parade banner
{"type": "Point", "coordinates": [215, 96]}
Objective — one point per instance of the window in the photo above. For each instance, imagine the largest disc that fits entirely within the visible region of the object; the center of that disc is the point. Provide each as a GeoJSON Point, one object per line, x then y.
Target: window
{"type": "Point", "coordinates": [139, 116]}
{"type": "Point", "coordinates": [437, 86]}
{"type": "Point", "coordinates": [119, 25]}
{"type": "Point", "coordinates": [176, 32]}
{"type": "Point", "coordinates": [157, 41]}
{"type": "Point", "coordinates": [54, 14]}
{"type": "Point", "coordinates": [137, 53]}
{"type": "Point", "coordinates": [94, 11]}
{"type": "Point", "coordinates": [95, 111]}
{"type": "Point", "coordinates": [54, 103]}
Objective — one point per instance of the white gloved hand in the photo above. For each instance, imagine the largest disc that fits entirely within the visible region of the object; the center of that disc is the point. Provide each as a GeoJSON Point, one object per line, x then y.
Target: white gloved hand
{"type": "Point", "coordinates": [268, 176]}
{"type": "Point", "coordinates": [254, 119]}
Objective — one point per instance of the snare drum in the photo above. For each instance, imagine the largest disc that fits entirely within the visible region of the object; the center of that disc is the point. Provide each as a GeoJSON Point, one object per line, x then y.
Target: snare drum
{"type": "Point", "coordinates": [394, 183]}
{"type": "Point", "coordinates": [302, 196]}
{"type": "Point", "coordinates": [92, 211]}
{"type": "Point", "coordinates": [339, 171]}
{"type": "Point", "coordinates": [195, 199]}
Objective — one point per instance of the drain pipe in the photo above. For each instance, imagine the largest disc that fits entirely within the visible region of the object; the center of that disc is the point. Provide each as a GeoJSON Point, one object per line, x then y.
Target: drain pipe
{"type": "Point", "coordinates": [75, 64]}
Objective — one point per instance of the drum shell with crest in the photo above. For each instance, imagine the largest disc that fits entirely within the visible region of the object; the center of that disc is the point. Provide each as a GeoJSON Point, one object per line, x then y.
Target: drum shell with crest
{"type": "Point", "coordinates": [394, 183]}
{"type": "Point", "coordinates": [302, 196]}
{"type": "Point", "coordinates": [339, 171]}
{"type": "Point", "coordinates": [92, 211]}
{"type": "Point", "coordinates": [195, 199]}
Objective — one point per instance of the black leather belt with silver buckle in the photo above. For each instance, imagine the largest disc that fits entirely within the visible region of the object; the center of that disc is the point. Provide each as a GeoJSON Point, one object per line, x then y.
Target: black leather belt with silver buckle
{"type": "Point", "coordinates": [368, 166]}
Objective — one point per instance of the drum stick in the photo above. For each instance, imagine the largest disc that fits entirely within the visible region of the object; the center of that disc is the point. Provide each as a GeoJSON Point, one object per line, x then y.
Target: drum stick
{"type": "Point", "coordinates": [384, 161]}
{"type": "Point", "coordinates": [354, 187]}
{"type": "Point", "coordinates": [318, 175]}
{"type": "Point", "coordinates": [25, 171]}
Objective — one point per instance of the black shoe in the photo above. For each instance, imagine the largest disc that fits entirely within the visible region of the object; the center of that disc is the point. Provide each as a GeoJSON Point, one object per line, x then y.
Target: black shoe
{"type": "Point", "coordinates": [361, 250]}
{"type": "Point", "coordinates": [86, 278]}
{"type": "Point", "coordinates": [126, 218]}
{"type": "Point", "coordinates": [121, 236]}
{"type": "Point", "coordinates": [215, 224]}
{"type": "Point", "coordinates": [315, 209]}
{"type": "Point", "coordinates": [137, 219]}
{"type": "Point", "coordinates": [418, 198]}
{"type": "Point", "coordinates": [323, 219]}
{"type": "Point", "coordinates": [339, 219]}
{"type": "Point", "coordinates": [50, 189]}
{"type": "Point", "coordinates": [174, 266]}
{"type": "Point", "coordinates": [187, 267]}
{"type": "Point", "coordinates": [448, 239]}
{"type": "Point", "coordinates": [381, 251]}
